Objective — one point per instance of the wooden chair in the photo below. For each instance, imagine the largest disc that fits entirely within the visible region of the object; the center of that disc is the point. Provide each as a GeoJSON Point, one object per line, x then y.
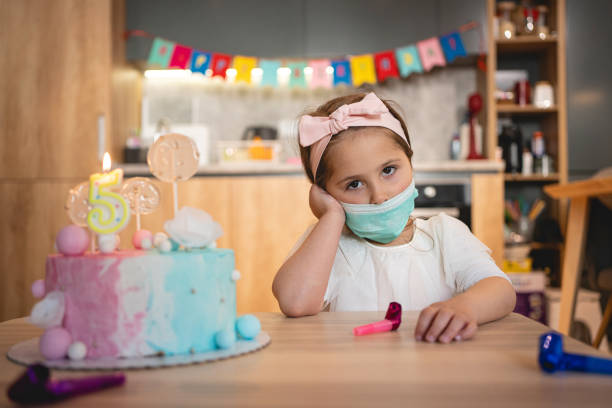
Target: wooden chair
{"type": "Point", "coordinates": [578, 193]}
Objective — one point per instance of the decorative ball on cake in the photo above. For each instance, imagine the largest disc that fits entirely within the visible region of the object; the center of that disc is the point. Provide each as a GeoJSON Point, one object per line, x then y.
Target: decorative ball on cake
{"type": "Point", "coordinates": [77, 351]}
{"type": "Point", "coordinates": [141, 235]}
{"type": "Point", "coordinates": [225, 339]}
{"type": "Point", "coordinates": [248, 326]}
{"type": "Point", "coordinates": [158, 238]}
{"type": "Point", "coordinates": [165, 246]}
{"type": "Point", "coordinates": [107, 243]}
{"type": "Point", "coordinates": [235, 275]}
{"type": "Point", "coordinates": [38, 288]}
{"type": "Point", "coordinates": [72, 240]}
{"type": "Point", "coordinates": [54, 343]}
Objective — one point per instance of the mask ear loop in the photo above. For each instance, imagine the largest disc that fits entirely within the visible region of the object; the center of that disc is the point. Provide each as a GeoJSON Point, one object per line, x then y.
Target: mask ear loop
{"type": "Point", "coordinates": [433, 243]}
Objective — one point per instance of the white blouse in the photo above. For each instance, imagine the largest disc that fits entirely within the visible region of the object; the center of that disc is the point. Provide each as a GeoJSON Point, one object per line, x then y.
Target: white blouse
{"type": "Point", "coordinates": [443, 259]}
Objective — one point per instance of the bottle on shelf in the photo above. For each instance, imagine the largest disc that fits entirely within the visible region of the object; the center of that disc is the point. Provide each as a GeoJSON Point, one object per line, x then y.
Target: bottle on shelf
{"type": "Point", "coordinates": [541, 25]}
{"type": "Point", "coordinates": [527, 162]}
{"type": "Point", "coordinates": [511, 141]}
{"type": "Point", "coordinates": [507, 29]}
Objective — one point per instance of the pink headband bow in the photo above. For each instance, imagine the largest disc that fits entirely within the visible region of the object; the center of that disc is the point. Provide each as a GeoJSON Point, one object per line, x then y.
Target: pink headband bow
{"type": "Point", "coordinates": [318, 130]}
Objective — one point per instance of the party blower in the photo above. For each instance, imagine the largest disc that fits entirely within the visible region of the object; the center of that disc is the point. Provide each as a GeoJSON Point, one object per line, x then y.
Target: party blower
{"type": "Point", "coordinates": [34, 386]}
{"type": "Point", "coordinates": [552, 358]}
{"type": "Point", "coordinates": [392, 321]}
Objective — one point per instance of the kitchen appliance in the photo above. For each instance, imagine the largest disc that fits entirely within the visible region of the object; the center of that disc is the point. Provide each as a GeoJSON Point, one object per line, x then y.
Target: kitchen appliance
{"type": "Point", "coordinates": [450, 196]}
{"type": "Point", "coordinates": [261, 132]}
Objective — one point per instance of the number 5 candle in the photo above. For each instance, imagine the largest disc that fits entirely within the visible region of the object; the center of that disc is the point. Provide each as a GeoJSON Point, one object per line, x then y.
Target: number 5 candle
{"type": "Point", "coordinates": [110, 212]}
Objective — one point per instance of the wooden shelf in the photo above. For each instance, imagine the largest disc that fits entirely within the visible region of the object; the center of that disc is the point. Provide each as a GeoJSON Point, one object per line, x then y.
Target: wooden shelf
{"type": "Point", "coordinates": [525, 109]}
{"type": "Point", "coordinates": [551, 178]}
{"type": "Point", "coordinates": [525, 44]}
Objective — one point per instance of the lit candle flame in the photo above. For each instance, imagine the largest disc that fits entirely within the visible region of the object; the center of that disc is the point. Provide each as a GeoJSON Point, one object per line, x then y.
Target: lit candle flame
{"type": "Point", "coordinates": [106, 162]}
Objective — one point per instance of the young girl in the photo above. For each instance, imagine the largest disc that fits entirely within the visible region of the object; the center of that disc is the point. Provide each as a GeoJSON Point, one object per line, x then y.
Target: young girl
{"type": "Point", "coordinates": [365, 250]}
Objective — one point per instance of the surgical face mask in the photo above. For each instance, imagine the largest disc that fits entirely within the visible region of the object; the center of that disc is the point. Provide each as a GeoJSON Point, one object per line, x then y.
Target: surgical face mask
{"type": "Point", "coordinates": [381, 222]}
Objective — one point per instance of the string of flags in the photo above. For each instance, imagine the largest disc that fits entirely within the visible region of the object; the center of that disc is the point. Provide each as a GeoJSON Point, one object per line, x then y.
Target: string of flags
{"type": "Point", "coordinates": [351, 70]}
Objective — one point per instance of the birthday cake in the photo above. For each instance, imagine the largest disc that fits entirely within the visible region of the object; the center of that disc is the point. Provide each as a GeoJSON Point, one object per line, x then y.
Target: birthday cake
{"type": "Point", "coordinates": [174, 293]}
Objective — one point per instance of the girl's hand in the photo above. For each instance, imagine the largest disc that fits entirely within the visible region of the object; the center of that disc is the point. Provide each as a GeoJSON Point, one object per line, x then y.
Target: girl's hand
{"type": "Point", "coordinates": [321, 202]}
{"type": "Point", "coordinates": [445, 322]}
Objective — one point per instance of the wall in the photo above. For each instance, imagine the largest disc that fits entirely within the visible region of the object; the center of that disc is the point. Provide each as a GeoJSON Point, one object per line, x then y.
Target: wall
{"type": "Point", "coordinates": [299, 28]}
{"type": "Point", "coordinates": [433, 103]}
{"type": "Point", "coordinates": [589, 86]}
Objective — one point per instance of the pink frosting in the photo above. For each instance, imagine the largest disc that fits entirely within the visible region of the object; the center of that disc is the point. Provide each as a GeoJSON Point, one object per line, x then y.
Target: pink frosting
{"type": "Point", "coordinates": [87, 282]}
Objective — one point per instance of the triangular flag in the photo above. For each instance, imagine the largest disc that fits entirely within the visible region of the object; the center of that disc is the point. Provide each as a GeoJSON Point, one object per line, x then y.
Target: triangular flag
{"type": "Point", "coordinates": [431, 53]}
{"type": "Point", "coordinates": [386, 66]}
{"type": "Point", "coordinates": [270, 72]}
{"type": "Point", "coordinates": [297, 79]}
{"type": "Point", "coordinates": [161, 50]}
{"type": "Point", "coordinates": [452, 46]}
{"type": "Point", "coordinates": [243, 66]}
{"type": "Point", "coordinates": [342, 72]}
{"type": "Point", "coordinates": [408, 60]}
{"type": "Point", "coordinates": [180, 57]}
{"type": "Point", "coordinates": [200, 61]}
{"type": "Point", "coordinates": [320, 77]}
{"type": "Point", "coordinates": [362, 68]}
{"type": "Point", "coordinates": [220, 63]}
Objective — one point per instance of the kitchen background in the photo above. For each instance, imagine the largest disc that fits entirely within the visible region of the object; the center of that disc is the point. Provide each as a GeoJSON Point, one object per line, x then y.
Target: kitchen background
{"type": "Point", "coordinates": [316, 28]}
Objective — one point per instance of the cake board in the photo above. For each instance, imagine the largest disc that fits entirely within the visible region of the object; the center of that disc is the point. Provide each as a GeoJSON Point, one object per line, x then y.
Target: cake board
{"type": "Point", "coordinates": [26, 353]}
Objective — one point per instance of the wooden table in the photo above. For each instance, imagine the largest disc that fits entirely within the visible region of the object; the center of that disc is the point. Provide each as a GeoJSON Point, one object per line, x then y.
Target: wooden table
{"type": "Point", "coordinates": [316, 361]}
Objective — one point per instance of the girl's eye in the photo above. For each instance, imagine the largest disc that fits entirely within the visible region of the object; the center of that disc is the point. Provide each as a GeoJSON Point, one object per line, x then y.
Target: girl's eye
{"type": "Point", "coordinates": [355, 184]}
{"type": "Point", "coordinates": [388, 170]}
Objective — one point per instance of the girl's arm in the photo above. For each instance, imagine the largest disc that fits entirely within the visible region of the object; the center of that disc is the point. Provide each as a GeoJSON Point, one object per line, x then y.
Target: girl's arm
{"type": "Point", "coordinates": [300, 283]}
{"type": "Point", "coordinates": [458, 318]}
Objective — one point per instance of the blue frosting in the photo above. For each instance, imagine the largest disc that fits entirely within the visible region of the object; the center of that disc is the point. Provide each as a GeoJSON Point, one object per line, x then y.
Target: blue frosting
{"type": "Point", "coordinates": [195, 299]}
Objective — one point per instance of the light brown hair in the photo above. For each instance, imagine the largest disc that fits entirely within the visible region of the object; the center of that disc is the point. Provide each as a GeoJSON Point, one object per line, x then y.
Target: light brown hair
{"type": "Point", "coordinates": [327, 109]}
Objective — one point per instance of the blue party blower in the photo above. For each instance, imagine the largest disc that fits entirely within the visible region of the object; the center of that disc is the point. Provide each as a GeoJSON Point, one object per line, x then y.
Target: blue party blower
{"type": "Point", "coordinates": [552, 358]}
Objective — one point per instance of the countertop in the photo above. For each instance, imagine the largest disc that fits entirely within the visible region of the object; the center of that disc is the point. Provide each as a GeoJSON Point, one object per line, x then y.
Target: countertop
{"type": "Point", "coordinates": [271, 168]}
{"type": "Point", "coordinates": [316, 361]}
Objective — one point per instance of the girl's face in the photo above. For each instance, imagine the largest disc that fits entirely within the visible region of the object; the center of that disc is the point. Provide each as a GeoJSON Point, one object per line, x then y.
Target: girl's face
{"type": "Point", "coordinates": [367, 166]}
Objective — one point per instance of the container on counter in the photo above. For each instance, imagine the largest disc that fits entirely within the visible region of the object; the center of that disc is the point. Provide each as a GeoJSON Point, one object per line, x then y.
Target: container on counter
{"type": "Point", "coordinates": [248, 151]}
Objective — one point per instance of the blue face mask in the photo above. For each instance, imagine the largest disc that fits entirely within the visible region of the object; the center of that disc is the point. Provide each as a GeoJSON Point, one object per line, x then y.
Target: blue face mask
{"type": "Point", "coordinates": [381, 222]}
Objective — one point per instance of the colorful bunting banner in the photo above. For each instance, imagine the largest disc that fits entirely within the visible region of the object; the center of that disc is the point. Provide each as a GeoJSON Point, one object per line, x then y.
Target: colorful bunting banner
{"type": "Point", "coordinates": [408, 60]}
{"type": "Point", "coordinates": [200, 61]}
{"type": "Point", "coordinates": [342, 72]}
{"type": "Point", "coordinates": [320, 77]}
{"type": "Point", "coordinates": [386, 66]}
{"type": "Point", "coordinates": [452, 46]}
{"type": "Point", "coordinates": [243, 67]}
{"type": "Point", "coordinates": [431, 53]}
{"type": "Point", "coordinates": [160, 53]}
{"type": "Point", "coordinates": [220, 63]}
{"type": "Point", "coordinates": [362, 67]}
{"type": "Point", "coordinates": [270, 72]}
{"type": "Point", "coordinates": [318, 73]}
{"type": "Point", "coordinates": [297, 78]}
{"type": "Point", "coordinates": [180, 57]}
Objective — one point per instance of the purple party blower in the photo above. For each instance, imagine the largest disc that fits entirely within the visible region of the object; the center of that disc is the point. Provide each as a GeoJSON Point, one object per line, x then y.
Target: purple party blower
{"type": "Point", "coordinates": [35, 387]}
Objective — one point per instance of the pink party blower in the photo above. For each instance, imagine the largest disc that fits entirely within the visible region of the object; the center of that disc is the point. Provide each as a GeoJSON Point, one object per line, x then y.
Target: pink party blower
{"type": "Point", "coordinates": [392, 321]}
